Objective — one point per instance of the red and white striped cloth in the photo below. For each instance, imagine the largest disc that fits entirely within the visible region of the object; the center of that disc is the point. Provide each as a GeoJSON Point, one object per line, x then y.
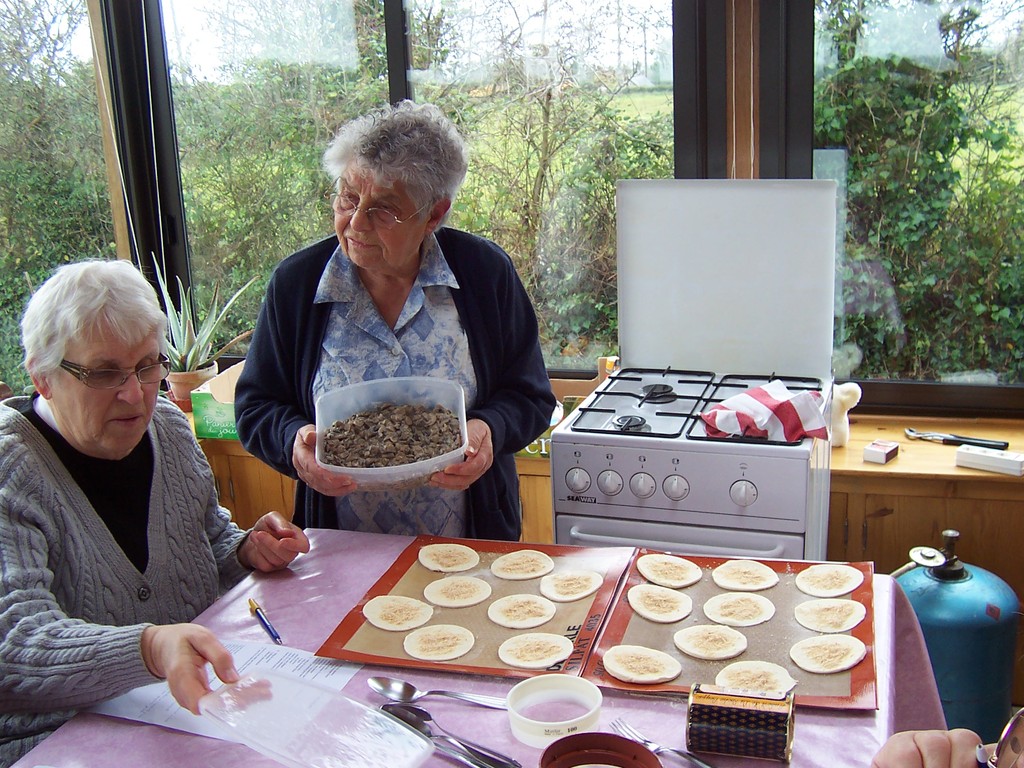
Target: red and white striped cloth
{"type": "Point", "coordinates": [771, 411]}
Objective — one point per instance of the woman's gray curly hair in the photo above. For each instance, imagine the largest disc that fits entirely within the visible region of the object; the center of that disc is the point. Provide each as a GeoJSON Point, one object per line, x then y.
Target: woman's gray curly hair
{"type": "Point", "coordinates": [84, 299]}
{"type": "Point", "coordinates": [412, 143]}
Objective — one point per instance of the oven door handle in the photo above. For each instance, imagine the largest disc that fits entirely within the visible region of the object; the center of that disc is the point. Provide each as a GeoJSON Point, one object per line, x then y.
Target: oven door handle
{"type": "Point", "coordinates": [692, 549]}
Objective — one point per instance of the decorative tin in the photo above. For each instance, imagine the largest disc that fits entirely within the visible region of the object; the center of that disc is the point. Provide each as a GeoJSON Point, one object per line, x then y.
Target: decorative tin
{"type": "Point", "coordinates": [733, 723]}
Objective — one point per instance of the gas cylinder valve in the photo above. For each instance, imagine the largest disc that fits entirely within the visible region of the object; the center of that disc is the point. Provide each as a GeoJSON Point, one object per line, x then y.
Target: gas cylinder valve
{"type": "Point", "coordinates": [943, 563]}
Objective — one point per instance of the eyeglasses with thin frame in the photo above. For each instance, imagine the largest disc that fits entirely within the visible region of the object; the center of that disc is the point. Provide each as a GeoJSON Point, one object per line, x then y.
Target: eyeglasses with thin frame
{"type": "Point", "coordinates": [112, 378]}
{"type": "Point", "coordinates": [380, 217]}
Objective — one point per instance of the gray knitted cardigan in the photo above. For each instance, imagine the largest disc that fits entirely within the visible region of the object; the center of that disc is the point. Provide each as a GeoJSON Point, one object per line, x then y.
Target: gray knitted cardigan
{"type": "Point", "coordinates": [72, 606]}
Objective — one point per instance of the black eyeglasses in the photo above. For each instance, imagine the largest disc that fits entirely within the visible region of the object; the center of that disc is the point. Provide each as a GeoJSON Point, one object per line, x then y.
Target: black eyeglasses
{"type": "Point", "coordinates": [380, 217]}
{"type": "Point", "coordinates": [111, 378]}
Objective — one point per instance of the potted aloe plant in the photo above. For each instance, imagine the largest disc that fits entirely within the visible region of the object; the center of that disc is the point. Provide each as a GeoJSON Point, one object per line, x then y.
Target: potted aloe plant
{"type": "Point", "coordinates": [190, 341]}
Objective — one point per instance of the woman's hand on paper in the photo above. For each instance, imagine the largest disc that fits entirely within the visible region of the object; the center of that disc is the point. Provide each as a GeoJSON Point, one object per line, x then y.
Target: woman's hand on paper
{"type": "Point", "coordinates": [180, 653]}
{"type": "Point", "coordinates": [272, 544]}
{"type": "Point", "coordinates": [957, 748]}
{"type": "Point", "coordinates": [310, 472]}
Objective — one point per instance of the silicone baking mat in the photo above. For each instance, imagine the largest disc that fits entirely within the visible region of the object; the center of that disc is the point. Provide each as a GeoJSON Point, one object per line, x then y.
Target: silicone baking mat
{"type": "Point", "coordinates": [771, 641]}
{"type": "Point", "coordinates": [355, 639]}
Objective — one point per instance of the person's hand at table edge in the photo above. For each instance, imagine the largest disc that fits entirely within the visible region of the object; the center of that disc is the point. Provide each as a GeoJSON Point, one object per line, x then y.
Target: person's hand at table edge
{"type": "Point", "coordinates": [272, 543]}
{"type": "Point", "coordinates": [958, 748]}
{"type": "Point", "coordinates": [180, 653]}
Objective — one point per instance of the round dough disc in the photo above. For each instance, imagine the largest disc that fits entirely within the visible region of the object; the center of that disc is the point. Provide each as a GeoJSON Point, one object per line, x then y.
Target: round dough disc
{"type": "Point", "coordinates": [828, 653]}
{"type": "Point", "coordinates": [521, 611]}
{"type": "Point", "coordinates": [638, 664]}
{"type": "Point", "coordinates": [830, 614]}
{"type": "Point", "coordinates": [522, 565]}
{"type": "Point", "coordinates": [535, 650]}
{"type": "Point", "coordinates": [457, 591]}
{"type": "Point", "coordinates": [396, 613]}
{"type": "Point", "coordinates": [448, 558]}
{"type": "Point", "coordinates": [744, 576]}
{"type": "Point", "coordinates": [739, 609]}
{"type": "Point", "coordinates": [439, 642]}
{"type": "Point", "coordinates": [659, 604]}
{"type": "Point", "coordinates": [668, 570]}
{"type": "Point", "coordinates": [828, 580]}
{"type": "Point", "coordinates": [566, 586]}
{"type": "Point", "coordinates": [755, 676]}
{"type": "Point", "coordinates": [710, 641]}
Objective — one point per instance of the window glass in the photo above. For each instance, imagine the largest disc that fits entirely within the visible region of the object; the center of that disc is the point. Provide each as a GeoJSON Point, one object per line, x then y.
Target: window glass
{"type": "Point", "coordinates": [259, 86]}
{"type": "Point", "coordinates": [54, 203]}
{"type": "Point", "coordinates": [559, 99]}
{"type": "Point", "coordinates": [918, 113]}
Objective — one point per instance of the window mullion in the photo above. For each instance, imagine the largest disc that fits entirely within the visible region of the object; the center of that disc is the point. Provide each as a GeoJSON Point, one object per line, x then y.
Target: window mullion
{"type": "Point", "coordinates": [699, 61]}
{"type": "Point", "coordinates": [786, 110]}
{"type": "Point", "coordinates": [144, 132]}
{"type": "Point", "coordinates": [396, 38]}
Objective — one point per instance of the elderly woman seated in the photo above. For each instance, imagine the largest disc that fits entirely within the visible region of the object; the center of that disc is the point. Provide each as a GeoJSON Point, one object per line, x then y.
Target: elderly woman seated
{"type": "Point", "coordinates": [111, 536]}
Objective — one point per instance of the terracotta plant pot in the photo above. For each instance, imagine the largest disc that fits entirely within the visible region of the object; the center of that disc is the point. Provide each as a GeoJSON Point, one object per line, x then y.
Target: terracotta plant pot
{"type": "Point", "coordinates": [181, 384]}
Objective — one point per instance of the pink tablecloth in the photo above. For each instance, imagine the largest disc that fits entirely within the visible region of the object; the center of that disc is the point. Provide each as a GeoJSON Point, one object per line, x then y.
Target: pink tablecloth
{"type": "Point", "coordinates": [307, 602]}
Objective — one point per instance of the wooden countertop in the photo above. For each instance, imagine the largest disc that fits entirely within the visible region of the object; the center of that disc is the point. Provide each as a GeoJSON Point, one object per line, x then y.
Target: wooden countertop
{"type": "Point", "coordinates": [921, 458]}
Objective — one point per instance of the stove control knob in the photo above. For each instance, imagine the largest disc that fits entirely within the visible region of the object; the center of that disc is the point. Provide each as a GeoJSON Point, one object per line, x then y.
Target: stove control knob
{"type": "Point", "coordinates": [610, 482]}
{"type": "Point", "coordinates": [743, 493]}
{"type": "Point", "coordinates": [577, 479]}
{"type": "Point", "coordinates": [676, 487]}
{"type": "Point", "coordinates": [642, 485]}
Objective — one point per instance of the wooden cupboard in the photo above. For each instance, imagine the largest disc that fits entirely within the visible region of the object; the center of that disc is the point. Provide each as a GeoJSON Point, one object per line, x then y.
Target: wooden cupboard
{"type": "Point", "coordinates": [247, 486]}
{"type": "Point", "coordinates": [878, 512]}
{"type": "Point", "coordinates": [250, 488]}
{"type": "Point", "coordinates": [535, 495]}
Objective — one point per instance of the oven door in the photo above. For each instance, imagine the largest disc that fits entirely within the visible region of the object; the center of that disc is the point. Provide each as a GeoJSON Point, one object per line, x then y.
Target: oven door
{"type": "Point", "coordinates": [681, 539]}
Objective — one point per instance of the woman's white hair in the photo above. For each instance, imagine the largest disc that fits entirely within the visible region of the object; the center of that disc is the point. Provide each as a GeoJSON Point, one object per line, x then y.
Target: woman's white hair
{"type": "Point", "coordinates": [412, 143]}
{"type": "Point", "coordinates": [86, 298]}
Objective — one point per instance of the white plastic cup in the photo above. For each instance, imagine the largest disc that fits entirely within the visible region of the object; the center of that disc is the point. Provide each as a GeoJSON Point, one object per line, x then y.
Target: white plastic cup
{"type": "Point", "coordinates": [545, 708]}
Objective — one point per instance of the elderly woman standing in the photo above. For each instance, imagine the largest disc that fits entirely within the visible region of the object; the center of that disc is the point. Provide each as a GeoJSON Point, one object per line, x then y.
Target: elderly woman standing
{"type": "Point", "coordinates": [110, 531]}
{"type": "Point", "coordinates": [395, 293]}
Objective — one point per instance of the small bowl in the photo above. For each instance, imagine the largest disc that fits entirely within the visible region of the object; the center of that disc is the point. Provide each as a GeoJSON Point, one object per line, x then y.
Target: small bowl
{"type": "Point", "coordinates": [588, 749]}
{"type": "Point", "coordinates": [340, 404]}
{"type": "Point", "coordinates": [548, 707]}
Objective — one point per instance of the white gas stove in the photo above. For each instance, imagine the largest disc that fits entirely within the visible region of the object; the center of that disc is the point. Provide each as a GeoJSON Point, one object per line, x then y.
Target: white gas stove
{"type": "Point", "coordinates": [633, 464]}
{"type": "Point", "coordinates": [730, 284]}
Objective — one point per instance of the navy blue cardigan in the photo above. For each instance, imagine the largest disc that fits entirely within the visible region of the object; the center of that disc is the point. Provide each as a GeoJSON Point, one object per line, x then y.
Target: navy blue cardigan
{"type": "Point", "coordinates": [274, 395]}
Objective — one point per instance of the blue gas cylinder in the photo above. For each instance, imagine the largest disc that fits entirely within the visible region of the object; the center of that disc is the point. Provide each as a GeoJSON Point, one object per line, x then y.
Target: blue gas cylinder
{"type": "Point", "coordinates": [969, 619]}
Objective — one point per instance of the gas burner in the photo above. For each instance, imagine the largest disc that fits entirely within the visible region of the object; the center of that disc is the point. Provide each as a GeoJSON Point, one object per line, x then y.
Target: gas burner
{"type": "Point", "coordinates": [629, 423]}
{"type": "Point", "coordinates": [657, 393]}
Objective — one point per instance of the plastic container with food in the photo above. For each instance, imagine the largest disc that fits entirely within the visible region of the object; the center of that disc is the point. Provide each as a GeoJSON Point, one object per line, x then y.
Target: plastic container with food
{"type": "Point", "coordinates": [341, 404]}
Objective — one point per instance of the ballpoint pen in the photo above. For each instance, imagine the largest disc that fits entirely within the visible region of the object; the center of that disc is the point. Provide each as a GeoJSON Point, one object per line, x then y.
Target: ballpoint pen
{"type": "Point", "coordinates": [262, 617]}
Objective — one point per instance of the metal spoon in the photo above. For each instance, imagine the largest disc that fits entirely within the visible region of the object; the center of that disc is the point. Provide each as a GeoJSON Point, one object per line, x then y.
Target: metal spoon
{"type": "Point", "coordinates": [420, 719]}
{"type": "Point", "coordinates": [462, 750]}
{"type": "Point", "coordinates": [407, 693]}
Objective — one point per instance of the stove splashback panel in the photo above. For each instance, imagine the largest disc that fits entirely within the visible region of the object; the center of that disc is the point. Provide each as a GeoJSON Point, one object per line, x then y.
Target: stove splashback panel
{"type": "Point", "coordinates": [727, 275]}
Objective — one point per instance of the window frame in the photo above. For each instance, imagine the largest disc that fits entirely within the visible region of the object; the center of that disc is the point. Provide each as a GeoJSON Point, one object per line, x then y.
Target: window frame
{"type": "Point", "coordinates": [787, 145]}
{"type": "Point", "coordinates": [144, 129]}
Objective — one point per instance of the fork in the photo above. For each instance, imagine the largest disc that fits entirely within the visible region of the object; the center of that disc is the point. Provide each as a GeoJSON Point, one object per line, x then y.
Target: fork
{"type": "Point", "coordinates": [623, 728]}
